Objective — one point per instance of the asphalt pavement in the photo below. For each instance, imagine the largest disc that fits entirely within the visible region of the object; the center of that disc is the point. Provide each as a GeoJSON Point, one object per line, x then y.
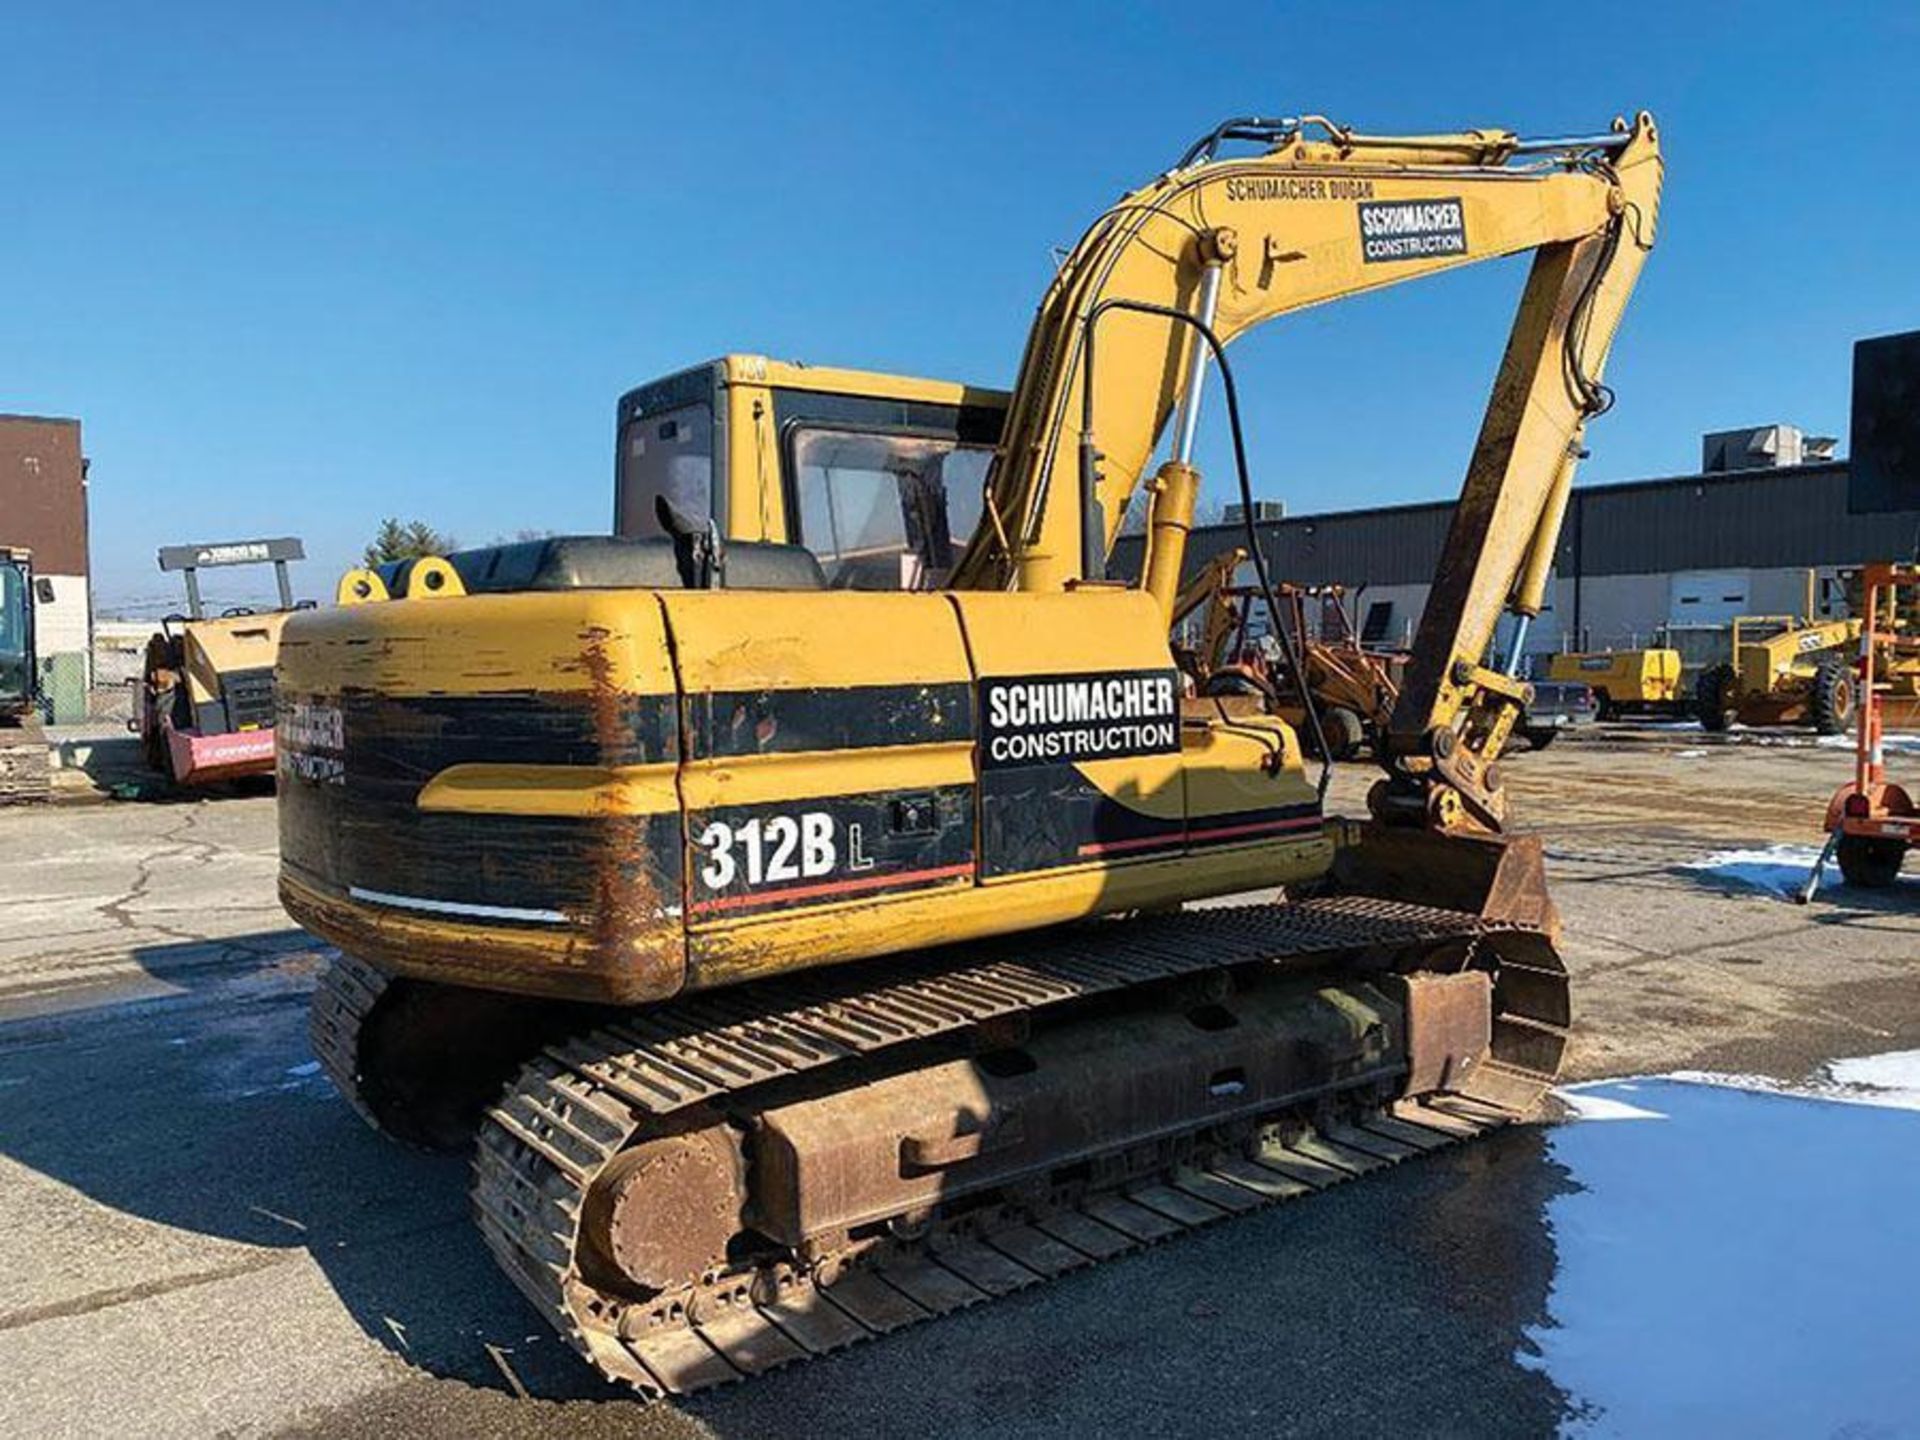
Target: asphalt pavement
{"type": "Point", "coordinates": [198, 1237]}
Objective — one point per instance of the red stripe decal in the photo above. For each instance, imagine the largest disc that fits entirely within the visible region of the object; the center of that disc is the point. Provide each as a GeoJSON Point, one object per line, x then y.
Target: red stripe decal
{"type": "Point", "coordinates": [832, 887]}
{"type": "Point", "coordinates": [1299, 822]}
{"type": "Point", "coordinates": [1222, 832]}
{"type": "Point", "coordinates": [1141, 842]}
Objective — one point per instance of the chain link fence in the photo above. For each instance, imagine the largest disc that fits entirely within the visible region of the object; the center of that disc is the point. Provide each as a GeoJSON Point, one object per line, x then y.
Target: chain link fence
{"type": "Point", "coordinates": [117, 666]}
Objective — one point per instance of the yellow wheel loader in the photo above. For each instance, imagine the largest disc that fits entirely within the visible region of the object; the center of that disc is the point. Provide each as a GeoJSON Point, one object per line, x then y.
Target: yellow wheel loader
{"type": "Point", "coordinates": [809, 957]}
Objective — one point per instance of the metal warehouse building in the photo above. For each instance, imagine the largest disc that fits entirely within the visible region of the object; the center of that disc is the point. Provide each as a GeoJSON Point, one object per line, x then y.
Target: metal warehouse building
{"type": "Point", "coordinates": [1736, 539]}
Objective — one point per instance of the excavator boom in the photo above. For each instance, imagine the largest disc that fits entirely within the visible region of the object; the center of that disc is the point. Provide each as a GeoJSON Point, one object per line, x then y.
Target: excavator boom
{"type": "Point", "coordinates": [1215, 247]}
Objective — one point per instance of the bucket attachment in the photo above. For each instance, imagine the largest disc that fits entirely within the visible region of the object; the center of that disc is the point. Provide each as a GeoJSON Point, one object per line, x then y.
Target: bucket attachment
{"type": "Point", "coordinates": [1500, 878]}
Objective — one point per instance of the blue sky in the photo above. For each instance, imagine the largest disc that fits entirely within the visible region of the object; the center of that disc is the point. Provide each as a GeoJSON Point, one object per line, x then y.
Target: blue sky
{"type": "Point", "coordinates": [299, 267]}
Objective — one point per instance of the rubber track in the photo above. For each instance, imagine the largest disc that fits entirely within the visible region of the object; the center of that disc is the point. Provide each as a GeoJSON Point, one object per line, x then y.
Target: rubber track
{"type": "Point", "coordinates": [581, 1102]}
{"type": "Point", "coordinates": [345, 996]}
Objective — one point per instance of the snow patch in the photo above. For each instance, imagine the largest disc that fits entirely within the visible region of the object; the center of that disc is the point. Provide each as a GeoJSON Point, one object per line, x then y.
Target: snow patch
{"type": "Point", "coordinates": [312, 1067]}
{"type": "Point", "coordinates": [1897, 743]}
{"type": "Point", "coordinates": [1827, 1084]}
{"type": "Point", "coordinates": [1778, 869]}
{"type": "Point", "coordinates": [1891, 1079]}
{"type": "Point", "coordinates": [1601, 1107]}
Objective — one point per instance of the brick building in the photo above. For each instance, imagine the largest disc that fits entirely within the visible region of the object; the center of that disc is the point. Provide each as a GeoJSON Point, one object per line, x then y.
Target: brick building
{"type": "Point", "coordinates": [43, 507]}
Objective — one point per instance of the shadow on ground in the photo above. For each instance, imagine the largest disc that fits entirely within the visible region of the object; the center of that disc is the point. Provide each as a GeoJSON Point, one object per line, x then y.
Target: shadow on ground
{"type": "Point", "coordinates": [1401, 1301]}
{"type": "Point", "coordinates": [114, 766]}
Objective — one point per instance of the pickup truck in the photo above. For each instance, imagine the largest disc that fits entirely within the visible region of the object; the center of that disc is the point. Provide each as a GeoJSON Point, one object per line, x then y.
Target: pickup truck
{"type": "Point", "coordinates": [1557, 705]}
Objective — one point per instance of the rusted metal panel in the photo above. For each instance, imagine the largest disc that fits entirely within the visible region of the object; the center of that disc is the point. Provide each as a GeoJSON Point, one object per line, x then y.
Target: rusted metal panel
{"type": "Point", "coordinates": [930, 1135]}
{"type": "Point", "coordinates": [1449, 1028]}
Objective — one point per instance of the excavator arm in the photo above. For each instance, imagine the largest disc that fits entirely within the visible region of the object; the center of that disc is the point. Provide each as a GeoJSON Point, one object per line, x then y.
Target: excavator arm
{"type": "Point", "coordinates": [1217, 246]}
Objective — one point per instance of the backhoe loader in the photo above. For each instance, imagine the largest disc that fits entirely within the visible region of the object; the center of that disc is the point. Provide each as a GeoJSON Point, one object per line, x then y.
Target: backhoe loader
{"type": "Point", "coordinates": [1350, 688]}
{"type": "Point", "coordinates": [811, 960]}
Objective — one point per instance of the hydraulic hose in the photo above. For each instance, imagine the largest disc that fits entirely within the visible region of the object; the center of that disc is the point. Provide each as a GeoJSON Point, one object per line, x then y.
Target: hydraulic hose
{"type": "Point", "coordinates": [1288, 644]}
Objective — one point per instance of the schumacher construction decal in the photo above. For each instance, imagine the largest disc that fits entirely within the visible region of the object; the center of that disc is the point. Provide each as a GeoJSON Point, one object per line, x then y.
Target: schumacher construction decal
{"type": "Point", "coordinates": [1031, 720]}
{"type": "Point", "coordinates": [1412, 230]}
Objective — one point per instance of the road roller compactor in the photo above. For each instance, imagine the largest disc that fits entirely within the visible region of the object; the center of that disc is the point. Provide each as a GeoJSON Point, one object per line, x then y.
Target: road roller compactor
{"type": "Point", "coordinates": [803, 961]}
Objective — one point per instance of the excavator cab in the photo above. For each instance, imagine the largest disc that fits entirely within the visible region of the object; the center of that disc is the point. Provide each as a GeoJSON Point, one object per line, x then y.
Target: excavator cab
{"type": "Point", "coordinates": [17, 662]}
{"type": "Point", "coordinates": [880, 477]}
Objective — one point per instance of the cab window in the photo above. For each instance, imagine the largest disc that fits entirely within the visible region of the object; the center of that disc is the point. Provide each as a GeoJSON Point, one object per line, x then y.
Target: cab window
{"type": "Point", "coordinates": [13, 611]}
{"type": "Point", "coordinates": [668, 454]}
{"type": "Point", "coordinates": [885, 511]}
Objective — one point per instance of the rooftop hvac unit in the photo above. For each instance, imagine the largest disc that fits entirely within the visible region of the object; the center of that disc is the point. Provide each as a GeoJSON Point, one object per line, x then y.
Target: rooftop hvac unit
{"type": "Point", "coordinates": [1763, 447]}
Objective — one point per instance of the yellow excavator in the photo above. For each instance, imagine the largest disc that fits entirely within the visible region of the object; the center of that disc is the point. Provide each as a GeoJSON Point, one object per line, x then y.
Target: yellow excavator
{"type": "Point", "coordinates": [812, 959]}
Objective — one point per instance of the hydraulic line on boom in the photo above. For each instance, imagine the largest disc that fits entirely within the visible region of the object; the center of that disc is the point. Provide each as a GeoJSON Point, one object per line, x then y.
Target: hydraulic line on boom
{"type": "Point", "coordinates": [1589, 215]}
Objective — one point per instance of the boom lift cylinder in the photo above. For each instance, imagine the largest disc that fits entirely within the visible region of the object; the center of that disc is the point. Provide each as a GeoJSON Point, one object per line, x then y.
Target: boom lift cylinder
{"type": "Point", "coordinates": [1176, 485]}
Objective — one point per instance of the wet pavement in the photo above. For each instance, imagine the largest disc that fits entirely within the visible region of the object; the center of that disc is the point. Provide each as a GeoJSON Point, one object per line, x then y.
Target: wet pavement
{"type": "Point", "coordinates": [218, 1241]}
{"type": "Point", "coordinates": [1735, 1262]}
{"type": "Point", "coordinates": [197, 1236]}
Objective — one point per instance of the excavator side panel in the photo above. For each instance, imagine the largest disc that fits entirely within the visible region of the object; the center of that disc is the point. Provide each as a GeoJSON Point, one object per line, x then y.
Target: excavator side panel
{"type": "Point", "coordinates": [828, 772]}
{"type": "Point", "coordinates": [944, 768]}
{"type": "Point", "coordinates": [615, 795]}
{"type": "Point", "coordinates": [484, 790]}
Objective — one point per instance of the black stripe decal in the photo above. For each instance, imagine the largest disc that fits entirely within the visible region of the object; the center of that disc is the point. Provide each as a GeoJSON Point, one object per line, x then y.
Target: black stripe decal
{"type": "Point", "coordinates": [395, 744]}
{"type": "Point", "coordinates": [722, 724]}
{"type": "Point", "coordinates": [746, 859]}
{"type": "Point", "coordinates": [578, 866]}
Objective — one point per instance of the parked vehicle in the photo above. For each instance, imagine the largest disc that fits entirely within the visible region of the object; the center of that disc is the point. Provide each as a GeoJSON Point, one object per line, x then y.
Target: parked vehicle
{"type": "Point", "coordinates": [206, 691]}
{"type": "Point", "coordinates": [1627, 682]}
{"type": "Point", "coordinates": [1556, 705]}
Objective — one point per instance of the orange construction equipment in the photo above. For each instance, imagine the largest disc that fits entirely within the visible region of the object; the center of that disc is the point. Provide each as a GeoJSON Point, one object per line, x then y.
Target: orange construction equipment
{"type": "Point", "coordinates": [1871, 822]}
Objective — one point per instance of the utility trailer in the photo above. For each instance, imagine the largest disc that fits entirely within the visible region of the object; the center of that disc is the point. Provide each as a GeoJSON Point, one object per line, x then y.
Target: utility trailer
{"type": "Point", "coordinates": [1627, 682]}
{"type": "Point", "coordinates": [1871, 821]}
